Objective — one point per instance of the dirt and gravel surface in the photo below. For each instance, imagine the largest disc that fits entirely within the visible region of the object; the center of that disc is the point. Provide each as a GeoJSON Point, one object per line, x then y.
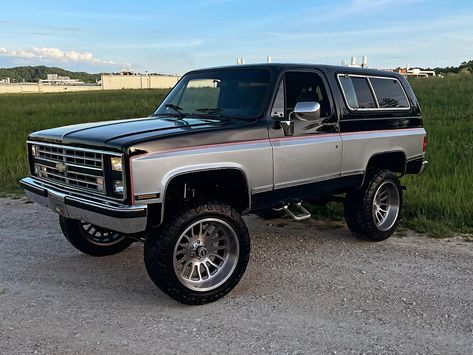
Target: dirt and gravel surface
{"type": "Point", "coordinates": [310, 288]}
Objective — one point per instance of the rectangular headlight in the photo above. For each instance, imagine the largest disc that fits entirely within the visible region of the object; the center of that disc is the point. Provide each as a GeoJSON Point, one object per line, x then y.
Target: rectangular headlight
{"type": "Point", "coordinates": [116, 163]}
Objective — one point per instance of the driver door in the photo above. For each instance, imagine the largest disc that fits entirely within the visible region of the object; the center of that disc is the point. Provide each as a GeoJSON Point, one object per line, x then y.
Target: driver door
{"type": "Point", "coordinates": [314, 152]}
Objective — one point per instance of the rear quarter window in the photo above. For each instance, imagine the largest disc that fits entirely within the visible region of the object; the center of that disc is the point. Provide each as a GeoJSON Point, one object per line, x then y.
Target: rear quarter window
{"type": "Point", "coordinates": [389, 93]}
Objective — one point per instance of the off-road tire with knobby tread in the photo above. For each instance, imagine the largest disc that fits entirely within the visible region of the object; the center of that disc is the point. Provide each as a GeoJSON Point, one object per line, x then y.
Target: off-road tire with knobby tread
{"type": "Point", "coordinates": [359, 203]}
{"type": "Point", "coordinates": [74, 233]}
{"type": "Point", "coordinates": [159, 252]}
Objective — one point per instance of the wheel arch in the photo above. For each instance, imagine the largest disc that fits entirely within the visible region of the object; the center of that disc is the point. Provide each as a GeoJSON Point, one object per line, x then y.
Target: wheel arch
{"type": "Point", "coordinates": [205, 170]}
{"type": "Point", "coordinates": [394, 160]}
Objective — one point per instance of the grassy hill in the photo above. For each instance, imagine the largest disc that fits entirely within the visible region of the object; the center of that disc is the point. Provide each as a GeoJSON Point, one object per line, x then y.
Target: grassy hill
{"type": "Point", "coordinates": [33, 74]}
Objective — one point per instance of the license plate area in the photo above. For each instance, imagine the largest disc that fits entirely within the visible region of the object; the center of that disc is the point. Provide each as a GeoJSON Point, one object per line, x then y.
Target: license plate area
{"type": "Point", "coordinates": [57, 204]}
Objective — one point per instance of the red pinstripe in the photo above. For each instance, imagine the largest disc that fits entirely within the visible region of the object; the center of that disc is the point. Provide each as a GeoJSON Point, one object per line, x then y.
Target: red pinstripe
{"type": "Point", "coordinates": [216, 145]}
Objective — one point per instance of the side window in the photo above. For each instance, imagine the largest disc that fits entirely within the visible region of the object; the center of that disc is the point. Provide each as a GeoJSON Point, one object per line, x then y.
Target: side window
{"type": "Point", "coordinates": [389, 93]}
{"type": "Point", "coordinates": [363, 93]}
{"type": "Point", "coordinates": [358, 91]}
{"type": "Point", "coordinates": [306, 87]}
{"type": "Point", "coordinates": [349, 90]}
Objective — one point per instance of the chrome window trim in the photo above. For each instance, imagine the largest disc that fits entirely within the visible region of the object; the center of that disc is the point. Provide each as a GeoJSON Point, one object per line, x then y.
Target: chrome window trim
{"type": "Point", "coordinates": [280, 87]}
{"type": "Point", "coordinates": [377, 109]}
{"type": "Point", "coordinates": [372, 92]}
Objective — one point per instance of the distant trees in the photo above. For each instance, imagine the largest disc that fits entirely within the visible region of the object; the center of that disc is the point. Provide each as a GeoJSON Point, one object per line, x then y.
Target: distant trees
{"type": "Point", "coordinates": [465, 67]}
{"type": "Point", "coordinates": [35, 73]}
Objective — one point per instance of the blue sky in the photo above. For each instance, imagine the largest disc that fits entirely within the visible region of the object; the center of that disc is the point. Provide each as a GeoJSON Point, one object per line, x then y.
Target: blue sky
{"type": "Point", "coordinates": [177, 36]}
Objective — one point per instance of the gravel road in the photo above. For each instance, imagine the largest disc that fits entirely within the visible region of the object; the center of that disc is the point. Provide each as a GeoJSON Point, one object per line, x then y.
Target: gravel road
{"type": "Point", "coordinates": [310, 288]}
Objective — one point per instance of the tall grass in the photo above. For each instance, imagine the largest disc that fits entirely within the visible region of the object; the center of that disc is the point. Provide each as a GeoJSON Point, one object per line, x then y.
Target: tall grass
{"type": "Point", "coordinates": [439, 202]}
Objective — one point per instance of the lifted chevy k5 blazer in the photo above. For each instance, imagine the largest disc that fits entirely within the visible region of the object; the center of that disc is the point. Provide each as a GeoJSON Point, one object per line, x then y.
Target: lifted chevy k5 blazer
{"type": "Point", "coordinates": [225, 142]}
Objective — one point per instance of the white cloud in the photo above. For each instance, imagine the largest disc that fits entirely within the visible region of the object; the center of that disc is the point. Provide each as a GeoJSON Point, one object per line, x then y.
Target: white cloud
{"type": "Point", "coordinates": [53, 54]}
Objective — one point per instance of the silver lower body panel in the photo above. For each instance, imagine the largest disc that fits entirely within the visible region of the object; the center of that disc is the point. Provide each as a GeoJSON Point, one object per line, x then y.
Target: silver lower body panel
{"type": "Point", "coordinates": [106, 214]}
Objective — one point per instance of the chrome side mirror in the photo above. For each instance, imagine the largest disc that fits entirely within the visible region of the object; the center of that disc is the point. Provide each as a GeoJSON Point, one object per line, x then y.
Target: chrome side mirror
{"type": "Point", "coordinates": [307, 111]}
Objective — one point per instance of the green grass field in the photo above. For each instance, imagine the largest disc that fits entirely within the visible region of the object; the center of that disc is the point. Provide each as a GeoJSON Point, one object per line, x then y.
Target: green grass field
{"type": "Point", "coordinates": [439, 203]}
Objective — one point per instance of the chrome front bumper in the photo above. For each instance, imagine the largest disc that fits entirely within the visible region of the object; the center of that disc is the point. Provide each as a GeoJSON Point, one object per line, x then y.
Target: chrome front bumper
{"type": "Point", "coordinates": [106, 214]}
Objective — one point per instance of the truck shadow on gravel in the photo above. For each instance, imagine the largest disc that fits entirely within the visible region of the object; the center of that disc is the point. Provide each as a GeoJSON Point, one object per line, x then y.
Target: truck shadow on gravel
{"type": "Point", "coordinates": [123, 277]}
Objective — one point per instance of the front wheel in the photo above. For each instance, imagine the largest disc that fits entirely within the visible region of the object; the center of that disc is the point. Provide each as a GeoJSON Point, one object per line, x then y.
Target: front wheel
{"type": "Point", "coordinates": [200, 255]}
{"type": "Point", "coordinates": [373, 211]}
{"type": "Point", "coordinates": [91, 239]}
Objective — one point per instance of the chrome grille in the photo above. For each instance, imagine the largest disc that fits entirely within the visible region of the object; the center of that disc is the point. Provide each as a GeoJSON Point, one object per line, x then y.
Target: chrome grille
{"type": "Point", "coordinates": [71, 156]}
{"type": "Point", "coordinates": [75, 167]}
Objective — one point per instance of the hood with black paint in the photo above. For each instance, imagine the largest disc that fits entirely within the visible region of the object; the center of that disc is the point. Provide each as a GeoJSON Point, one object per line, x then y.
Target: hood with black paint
{"type": "Point", "coordinates": [119, 134]}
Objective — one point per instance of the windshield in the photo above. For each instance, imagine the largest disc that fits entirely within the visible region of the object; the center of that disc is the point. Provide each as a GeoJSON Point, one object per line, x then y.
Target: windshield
{"type": "Point", "coordinates": [237, 93]}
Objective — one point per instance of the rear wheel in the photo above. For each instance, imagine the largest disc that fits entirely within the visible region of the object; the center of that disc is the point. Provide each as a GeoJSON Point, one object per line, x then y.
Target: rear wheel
{"type": "Point", "coordinates": [200, 255]}
{"type": "Point", "coordinates": [91, 239]}
{"type": "Point", "coordinates": [373, 211]}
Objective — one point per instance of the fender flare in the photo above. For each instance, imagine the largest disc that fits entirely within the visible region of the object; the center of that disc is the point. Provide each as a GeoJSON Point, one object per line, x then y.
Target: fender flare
{"type": "Point", "coordinates": [190, 169]}
{"type": "Point", "coordinates": [382, 153]}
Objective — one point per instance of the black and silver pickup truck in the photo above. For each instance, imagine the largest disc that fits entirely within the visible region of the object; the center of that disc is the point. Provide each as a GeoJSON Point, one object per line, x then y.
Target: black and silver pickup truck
{"type": "Point", "coordinates": [225, 142]}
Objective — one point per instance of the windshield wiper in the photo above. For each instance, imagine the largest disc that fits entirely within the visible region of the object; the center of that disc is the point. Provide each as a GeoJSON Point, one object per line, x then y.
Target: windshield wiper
{"type": "Point", "coordinates": [214, 113]}
{"type": "Point", "coordinates": [176, 108]}
{"type": "Point", "coordinates": [210, 110]}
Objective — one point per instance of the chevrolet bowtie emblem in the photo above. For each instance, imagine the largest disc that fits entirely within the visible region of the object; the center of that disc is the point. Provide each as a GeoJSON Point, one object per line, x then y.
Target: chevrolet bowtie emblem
{"type": "Point", "coordinates": [61, 167]}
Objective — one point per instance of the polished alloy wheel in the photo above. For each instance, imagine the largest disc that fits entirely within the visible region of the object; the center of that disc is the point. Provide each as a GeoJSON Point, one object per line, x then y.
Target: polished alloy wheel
{"type": "Point", "coordinates": [206, 254]}
{"type": "Point", "coordinates": [386, 205]}
{"type": "Point", "coordinates": [100, 236]}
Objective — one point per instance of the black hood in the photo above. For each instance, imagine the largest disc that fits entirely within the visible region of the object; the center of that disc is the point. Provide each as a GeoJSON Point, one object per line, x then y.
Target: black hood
{"type": "Point", "coordinates": [119, 134]}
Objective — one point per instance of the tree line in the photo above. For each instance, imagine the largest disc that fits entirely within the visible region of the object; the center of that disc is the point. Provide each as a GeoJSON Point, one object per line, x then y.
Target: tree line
{"type": "Point", "coordinates": [36, 73]}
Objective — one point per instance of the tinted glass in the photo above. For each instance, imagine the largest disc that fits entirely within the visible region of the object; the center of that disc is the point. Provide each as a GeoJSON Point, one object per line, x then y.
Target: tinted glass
{"type": "Point", "coordinates": [363, 93]}
{"type": "Point", "coordinates": [239, 93]}
{"type": "Point", "coordinates": [349, 91]}
{"type": "Point", "coordinates": [389, 93]}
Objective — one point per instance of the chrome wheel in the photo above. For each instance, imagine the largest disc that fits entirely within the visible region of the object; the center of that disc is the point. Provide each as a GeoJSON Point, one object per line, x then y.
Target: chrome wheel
{"type": "Point", "coordinates": [386, 205]}
{"type": "Point", "coordinates": [100, 236]}
{"type": "Point", "coordinates": [206, 254]}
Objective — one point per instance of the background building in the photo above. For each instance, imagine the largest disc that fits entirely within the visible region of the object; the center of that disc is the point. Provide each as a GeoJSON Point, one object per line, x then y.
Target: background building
{"type": "Point", "coordinates": [138, 81]}
{"type": "Point", "coordinates": [56, 83]}
{"type": "Point", "coordinates": [55, 79]}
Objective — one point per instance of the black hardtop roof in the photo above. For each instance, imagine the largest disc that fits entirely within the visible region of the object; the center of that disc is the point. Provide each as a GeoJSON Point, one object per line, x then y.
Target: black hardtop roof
{"type": "Point", "coordinates": [328, 69]}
